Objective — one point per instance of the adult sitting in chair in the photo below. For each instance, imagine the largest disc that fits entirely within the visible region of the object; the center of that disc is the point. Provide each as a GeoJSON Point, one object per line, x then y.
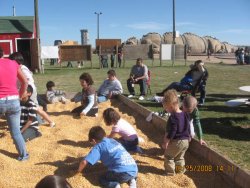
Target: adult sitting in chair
{"type": "Point", "coordinates": [193, 81]}
{"type": "Point", "coordinates": [138, 75]}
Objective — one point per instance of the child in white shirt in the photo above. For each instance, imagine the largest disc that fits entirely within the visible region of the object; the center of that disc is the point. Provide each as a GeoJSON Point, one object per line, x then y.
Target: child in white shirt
{"type": "Point", "coordinates": [127, 133]}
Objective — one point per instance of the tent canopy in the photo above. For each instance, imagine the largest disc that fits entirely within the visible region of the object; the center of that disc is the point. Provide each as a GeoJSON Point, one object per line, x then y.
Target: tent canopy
{"type": "Point", "coordinates": [49, 52]}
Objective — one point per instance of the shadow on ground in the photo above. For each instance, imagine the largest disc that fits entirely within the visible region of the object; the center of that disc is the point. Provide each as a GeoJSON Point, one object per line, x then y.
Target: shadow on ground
{"type": "Point", "coordinates": [68, 168]}
{"type": "Point", "coordinates": [225, 128]}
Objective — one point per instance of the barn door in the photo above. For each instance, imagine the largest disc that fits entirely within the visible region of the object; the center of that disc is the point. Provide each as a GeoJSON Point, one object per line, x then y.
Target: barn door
{"type": "Point", "coordinates": [35, 60]}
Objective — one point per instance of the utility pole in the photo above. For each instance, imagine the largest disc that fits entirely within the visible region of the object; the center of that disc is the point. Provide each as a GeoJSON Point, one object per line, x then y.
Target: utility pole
{"type": "Point", "coordinates": [98, 14]}
{"type": "Point", "coordinates": [174, 34]}
{"type": "Point", "coordinates": [14, 10]}
{"type": "Point", "coordinates": [38, 36]}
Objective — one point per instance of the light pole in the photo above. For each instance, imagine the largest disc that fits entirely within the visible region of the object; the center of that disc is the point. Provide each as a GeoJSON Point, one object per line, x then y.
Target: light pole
{"type": "Point", "coordinates": [174, 33]}
{"type": "Point", "coordinates": [98, 14]}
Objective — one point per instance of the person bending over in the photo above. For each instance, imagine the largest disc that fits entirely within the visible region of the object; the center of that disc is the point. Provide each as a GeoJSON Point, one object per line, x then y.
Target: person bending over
{"type": "Point", "coordinates": [121, 167]}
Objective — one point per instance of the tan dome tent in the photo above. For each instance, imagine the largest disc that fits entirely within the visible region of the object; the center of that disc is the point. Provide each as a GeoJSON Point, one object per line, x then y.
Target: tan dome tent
{"type": "Point", "coordinates": [132, 41]}
{"type": "Point", "coordinates": [167, 38]}
{"type": "Point", "coordinates": [195, 43]}
{"type": "Point", "coordinates": [229, 48]}
{"type": "Point", "coordinates": [154, 39]}
{"type": "Point", "coordinates": [151, 38]}
{"type": "Point", "coordinates": [214, 44]}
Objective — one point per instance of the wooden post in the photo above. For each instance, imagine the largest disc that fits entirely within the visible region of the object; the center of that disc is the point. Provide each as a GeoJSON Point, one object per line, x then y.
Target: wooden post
{"type": "Point", "coordinates": [38, 35]}
{"type": "Point", "coordinates": [99, 53]}
{"type": "Point", "coordinates": [185, 54]}
{"type": "Point", "coordinates": [153, 59]}
{"type": "Point", "coordinates": [116, 56]}
{"type": "Point", "coordinates": [91, 58]}
{"type": "Point", "coordinates": [160, 55]}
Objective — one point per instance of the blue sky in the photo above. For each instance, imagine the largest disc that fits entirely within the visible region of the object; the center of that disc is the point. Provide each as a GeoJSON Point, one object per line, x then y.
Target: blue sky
{"type": "Point", "coordinates": [226, 20]}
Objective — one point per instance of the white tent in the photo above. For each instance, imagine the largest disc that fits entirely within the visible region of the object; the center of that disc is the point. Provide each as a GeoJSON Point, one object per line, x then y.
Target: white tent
{"type": "Point", "coordinates": [49, 52]}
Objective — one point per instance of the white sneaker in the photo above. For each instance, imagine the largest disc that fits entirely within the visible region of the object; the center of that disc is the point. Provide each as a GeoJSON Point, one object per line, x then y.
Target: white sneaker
{"type": "Point", "coordinates": [141, 98]}
{"type": "Point", "coordinates": [130, 96]}
{"type": "Point", "coordinates": [141, 140]}
{"type": "Point", "coordinates": [132, 183]}
{"type": "Point", "coordinates": [118, 186]}
{"type": "Point", "coordinates": [156, 113]}
{"type": "Point", "coordinates": [52, 124]}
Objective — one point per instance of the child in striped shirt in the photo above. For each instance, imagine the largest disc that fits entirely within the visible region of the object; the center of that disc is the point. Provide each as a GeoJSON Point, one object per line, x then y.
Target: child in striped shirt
{"type": "Point", "coordinates": [28, 119]}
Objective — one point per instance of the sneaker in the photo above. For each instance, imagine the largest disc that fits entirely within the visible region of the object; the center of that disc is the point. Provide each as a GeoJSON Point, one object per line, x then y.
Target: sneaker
{"type": "Point", "coordinates": [38, 134]}
{"type": "Point", "coordinates": [64, 100]}
{"type": "Point", "coordinates": [23, 158]}
{"type": "Point", "coordinates": [52, 124]}
{"type": "Point", "coordinates": [118, 186]}
{"type": "Point", "coordinates": [130, 96]}
{"type": "Point", "coordinates": [165, 114]}
{"type": "Point", "coordinates": [201, 104]}
{"type": "Point", "coordinates": [156, 113]}
{"type": "Point", "coordinates": [138, 150]}
{"type": "Point", "coordinates": [132, 183]}
{"type": "Point", "coordinates": [141, 140]}
{"type": "Point", "coordinates": [141, 98]}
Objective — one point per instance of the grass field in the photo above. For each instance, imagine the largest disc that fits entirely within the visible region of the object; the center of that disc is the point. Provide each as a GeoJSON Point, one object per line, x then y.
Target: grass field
{"type": "Point", "coordinates": [226, 129]}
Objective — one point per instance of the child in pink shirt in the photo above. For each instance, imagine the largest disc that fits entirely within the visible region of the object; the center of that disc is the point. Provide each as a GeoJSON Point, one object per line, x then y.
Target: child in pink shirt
{"type": "Point", "coordinates": [127, 133]}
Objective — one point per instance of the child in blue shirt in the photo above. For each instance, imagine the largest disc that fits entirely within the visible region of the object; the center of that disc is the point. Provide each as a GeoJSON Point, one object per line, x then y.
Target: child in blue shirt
{"type": "Point", "coordinates": [120, 164]}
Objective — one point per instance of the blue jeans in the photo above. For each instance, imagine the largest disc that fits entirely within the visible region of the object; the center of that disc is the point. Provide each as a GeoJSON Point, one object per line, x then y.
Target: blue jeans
{"type": "Point", "coordinates": [31, 133]}
{"type": "Point", "coordinates": [142, 83]}
{"type": "Point", "coordinates": [112, 179]}
{"type": "Point", "coordinates": [202, 89]}
{"type": "Point", "coordinates": [101, 98]}
{"type": "Point", "coordinates": [12, 110]}
{"type": "Point", "coordinates": [178, 86]}
{"type": "Point", "coordinates": [129, 145]}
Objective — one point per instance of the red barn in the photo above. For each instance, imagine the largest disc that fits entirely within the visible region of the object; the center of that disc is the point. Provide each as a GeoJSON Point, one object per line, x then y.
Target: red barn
{"type": "Point", "coordinates": [18, 34]}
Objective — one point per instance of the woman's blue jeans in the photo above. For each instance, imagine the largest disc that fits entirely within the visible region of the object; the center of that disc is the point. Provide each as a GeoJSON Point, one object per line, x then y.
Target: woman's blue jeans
{"type": "Point", "coordinates": [12, 110]}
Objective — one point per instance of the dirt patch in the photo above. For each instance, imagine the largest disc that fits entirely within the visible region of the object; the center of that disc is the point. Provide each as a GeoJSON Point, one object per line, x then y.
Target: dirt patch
{"type": "Point", "coordinates": [226, 59]}
{"type": "Point", "coordinates": [60, 149]}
